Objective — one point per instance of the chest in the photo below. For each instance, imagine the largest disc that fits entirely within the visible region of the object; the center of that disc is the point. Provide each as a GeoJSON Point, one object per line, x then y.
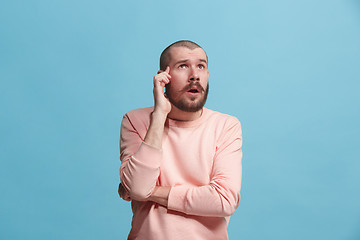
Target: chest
{"type": "Point", "coordinates": [188, 156]}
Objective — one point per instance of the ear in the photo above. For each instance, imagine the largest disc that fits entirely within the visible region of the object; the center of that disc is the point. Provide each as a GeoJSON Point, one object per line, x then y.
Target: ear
{"type": "Point", "coordinates": [160, 71]}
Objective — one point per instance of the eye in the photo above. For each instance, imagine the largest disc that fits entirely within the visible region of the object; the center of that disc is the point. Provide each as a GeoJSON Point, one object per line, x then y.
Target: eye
{"type": "Point", "coordinates": [182, 66]}
{"type": "Point", "coordinates": [201, 66]}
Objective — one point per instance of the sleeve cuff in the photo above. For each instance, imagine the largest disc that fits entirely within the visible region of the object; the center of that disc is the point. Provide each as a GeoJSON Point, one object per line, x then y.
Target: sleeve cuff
{"type": "Point", "coordinates": [177, 198]}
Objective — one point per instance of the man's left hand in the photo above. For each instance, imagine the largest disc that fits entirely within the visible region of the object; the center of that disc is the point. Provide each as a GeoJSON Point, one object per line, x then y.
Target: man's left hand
{"type": "Point", "coordinates": [123, 193]}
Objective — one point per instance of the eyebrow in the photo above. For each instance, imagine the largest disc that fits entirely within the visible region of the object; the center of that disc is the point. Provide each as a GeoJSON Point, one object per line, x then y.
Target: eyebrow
{"type": "Point", "coordinates": [185, 60]}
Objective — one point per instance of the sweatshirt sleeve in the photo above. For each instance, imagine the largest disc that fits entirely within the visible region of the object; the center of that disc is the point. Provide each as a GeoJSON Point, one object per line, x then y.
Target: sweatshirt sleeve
{"type": "Point", "coordinates": [222, 195]}
{"type": "Point", "coordinates": [140, 162]}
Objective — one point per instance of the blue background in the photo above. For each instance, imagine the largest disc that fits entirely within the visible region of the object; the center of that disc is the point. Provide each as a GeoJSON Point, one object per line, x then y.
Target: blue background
{"type": "Point", "coordinates": [289, 70]}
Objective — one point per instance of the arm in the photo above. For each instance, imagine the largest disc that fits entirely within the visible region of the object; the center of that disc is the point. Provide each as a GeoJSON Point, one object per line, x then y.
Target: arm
{"type": "Point", "coordinates": [140, 167]}
{"type": "Point", "coordinates": [160, 195]}
{"type": "Point", "coordinates": [222, 195]}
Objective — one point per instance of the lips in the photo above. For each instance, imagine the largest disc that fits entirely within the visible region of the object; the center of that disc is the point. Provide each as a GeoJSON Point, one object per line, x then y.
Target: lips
{"type": "Point", "coordinates": [194, 88]}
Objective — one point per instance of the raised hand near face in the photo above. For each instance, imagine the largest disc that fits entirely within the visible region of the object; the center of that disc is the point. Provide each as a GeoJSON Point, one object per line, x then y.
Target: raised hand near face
{"type": "Point", "coordinates": [162, 104]}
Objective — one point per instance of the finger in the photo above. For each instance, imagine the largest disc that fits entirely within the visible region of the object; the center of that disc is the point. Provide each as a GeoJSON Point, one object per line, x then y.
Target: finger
{"type": "Point", "coordinates": [119, 189]}
{"type": "Point", "coordinates": [167, 70]}
{"type": "Point", "coordinates": [164, 74]}
{"type": "Point", "coordinates": [164, 82]}
{"type": "Point", "coordinates": [163, 79]}
{"type": "Point", "coordinates": [161, 75]}
{"type": "Point", "coordinates": [160, 79]}
{"type": "Point", "coordinates": [167, 75]}
{"type": "Point", "coordinates": [159, 85]}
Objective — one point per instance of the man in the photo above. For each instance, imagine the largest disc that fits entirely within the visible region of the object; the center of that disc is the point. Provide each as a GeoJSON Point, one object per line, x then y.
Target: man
{"type": "Point", "coordinates": [180, 162]}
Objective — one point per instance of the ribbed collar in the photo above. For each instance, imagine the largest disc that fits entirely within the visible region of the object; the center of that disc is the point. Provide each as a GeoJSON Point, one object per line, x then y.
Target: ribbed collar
{"type": "Point", "coordinates": [188, 124]}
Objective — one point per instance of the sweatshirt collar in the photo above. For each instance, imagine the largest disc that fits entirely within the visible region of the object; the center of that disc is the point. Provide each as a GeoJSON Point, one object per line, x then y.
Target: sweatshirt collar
{"type": "Point", "coordinates": [188, 124]}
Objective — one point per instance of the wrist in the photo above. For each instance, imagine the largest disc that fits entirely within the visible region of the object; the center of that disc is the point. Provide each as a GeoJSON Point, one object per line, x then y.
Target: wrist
{"type": "Point", "coordinates": [159, 114]}
{"type": "Point", "coordinates": [160, 195]}
{"type": "Point", "coordinates": [155, 132]}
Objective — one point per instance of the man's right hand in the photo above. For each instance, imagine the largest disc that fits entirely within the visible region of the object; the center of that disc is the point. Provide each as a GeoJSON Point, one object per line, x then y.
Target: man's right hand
{"type": "Point", "coordinates": [162, 104]}
{"type": "Point", "coordinates": [162, 107]}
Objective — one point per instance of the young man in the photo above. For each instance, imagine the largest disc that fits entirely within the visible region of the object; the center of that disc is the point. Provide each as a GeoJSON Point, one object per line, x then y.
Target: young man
{"type": "Point", "coordinates": [180, 162]}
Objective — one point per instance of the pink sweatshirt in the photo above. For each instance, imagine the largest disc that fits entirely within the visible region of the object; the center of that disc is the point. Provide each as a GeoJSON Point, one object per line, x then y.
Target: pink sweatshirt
{"type": "Point", "coordinates": [200, 160]}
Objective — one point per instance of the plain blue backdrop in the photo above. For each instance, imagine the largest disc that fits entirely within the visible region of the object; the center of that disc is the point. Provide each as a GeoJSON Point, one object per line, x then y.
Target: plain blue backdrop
{"type": "Point", "coordinates": [288, 70]}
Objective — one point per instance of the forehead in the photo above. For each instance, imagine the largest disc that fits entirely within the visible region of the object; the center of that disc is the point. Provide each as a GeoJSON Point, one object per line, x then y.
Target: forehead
{"type": "Point", "coordinates": [184, 53]}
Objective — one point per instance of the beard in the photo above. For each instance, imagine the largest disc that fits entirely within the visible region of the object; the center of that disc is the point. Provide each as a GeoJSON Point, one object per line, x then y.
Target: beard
{"type": "Point", "coordinates": [184, 104]}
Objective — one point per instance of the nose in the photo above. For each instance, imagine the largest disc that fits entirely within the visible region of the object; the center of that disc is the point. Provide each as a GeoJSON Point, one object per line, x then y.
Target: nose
{"type": "Point", "coordinates": [194, 75]}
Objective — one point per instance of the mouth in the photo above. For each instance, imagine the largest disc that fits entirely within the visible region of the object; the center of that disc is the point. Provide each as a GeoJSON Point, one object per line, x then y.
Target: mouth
{"type": "Point", "coordinates": [193, 90]}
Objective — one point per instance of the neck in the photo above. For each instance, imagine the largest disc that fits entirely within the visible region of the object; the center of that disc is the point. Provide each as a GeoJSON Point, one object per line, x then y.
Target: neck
{"type": "Point", "coordinates": [179, 115]}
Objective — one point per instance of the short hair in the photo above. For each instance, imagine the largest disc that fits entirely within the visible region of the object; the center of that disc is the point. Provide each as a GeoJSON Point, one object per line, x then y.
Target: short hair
{"type": "Point", "coordinates": [165, 55]}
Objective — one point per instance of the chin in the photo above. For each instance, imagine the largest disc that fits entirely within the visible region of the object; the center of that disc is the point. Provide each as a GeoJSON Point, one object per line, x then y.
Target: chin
{"type": "Point", "coordinates": [192, 106]}
{"type": "Point", "coordinates": [186, 104]}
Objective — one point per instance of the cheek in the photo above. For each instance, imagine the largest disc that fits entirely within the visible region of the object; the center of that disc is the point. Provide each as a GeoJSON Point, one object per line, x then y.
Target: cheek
{"type": "Point", "coordinates": [204, 81]}
{"type": "Point", "coordinates": [177, 82]}
{"type": "Point", "coordinates": [173, 88]}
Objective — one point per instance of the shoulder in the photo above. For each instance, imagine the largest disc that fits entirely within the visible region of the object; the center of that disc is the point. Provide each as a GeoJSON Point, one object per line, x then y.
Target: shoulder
{"type": "Point", "coordinates": [138, 118]}
{"type": "Point", "coordinates": [227, 128]}
{"type": "Point", "coordinates": [223, 119]}
{"type": "Point", "coordinates": [139, 113]}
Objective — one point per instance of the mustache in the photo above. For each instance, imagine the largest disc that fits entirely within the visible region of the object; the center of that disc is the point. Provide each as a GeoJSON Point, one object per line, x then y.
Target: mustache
{"type": "Point", "coordinates": [192, 84]}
